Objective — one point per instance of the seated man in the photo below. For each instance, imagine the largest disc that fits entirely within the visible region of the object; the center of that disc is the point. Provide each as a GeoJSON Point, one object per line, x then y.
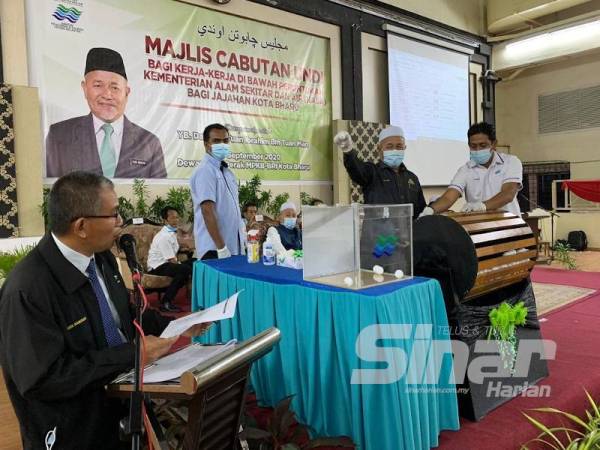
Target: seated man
{"type": "Point", "coordinates": [249, 211]}
{"type": "Point", "coordinates": [290, 234]}
{"type": "Point", "coordinates": [162, 259]}
{"type": "Point", "coordinates": [490, 180]}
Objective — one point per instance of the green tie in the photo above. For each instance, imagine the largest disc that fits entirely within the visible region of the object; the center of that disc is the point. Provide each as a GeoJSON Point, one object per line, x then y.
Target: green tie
{"type": "Point", "coordinates": [107, 152]}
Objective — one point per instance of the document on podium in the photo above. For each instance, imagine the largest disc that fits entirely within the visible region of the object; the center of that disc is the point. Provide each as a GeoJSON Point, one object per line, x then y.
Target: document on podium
{"type": "Point", "coordinates": [220, 311]}
{"type": "Point", "coordinates": [172, 366]}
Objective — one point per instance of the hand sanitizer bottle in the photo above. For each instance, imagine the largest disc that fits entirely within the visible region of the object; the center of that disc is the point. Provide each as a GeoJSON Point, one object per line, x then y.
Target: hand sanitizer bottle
{"type": "Point", "coordinates": [268, 254]}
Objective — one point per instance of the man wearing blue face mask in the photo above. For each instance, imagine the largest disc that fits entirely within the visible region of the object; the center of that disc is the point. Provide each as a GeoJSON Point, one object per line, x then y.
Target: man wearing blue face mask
{"type": "Point", "coordinates": [388, 181]}
{"type": "Point", "coordinates": [290, 234]}
{"type": "Point", "coordinates": [162, 259]}
{"type": "Point", "coordinates": [218, 228]}
{"type": "Point", "coordinates": [489, 180]}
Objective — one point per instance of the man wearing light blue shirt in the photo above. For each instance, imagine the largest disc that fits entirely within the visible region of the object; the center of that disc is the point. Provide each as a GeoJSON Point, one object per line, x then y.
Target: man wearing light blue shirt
{"type": "Point", "coordinates": [218, 227]}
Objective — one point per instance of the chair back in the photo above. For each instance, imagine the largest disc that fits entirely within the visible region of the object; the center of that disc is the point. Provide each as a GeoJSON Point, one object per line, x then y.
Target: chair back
{"type": "Point", "coordinates": [143, 234]}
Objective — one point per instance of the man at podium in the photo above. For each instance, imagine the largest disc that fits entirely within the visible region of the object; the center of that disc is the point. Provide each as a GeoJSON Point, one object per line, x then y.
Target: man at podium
{"type": "Point", "coordinates": [66, 323]}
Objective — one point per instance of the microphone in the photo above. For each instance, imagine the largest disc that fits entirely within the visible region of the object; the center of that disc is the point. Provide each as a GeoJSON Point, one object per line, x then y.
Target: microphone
{"type": "Point", "coordinates": [127, 244]}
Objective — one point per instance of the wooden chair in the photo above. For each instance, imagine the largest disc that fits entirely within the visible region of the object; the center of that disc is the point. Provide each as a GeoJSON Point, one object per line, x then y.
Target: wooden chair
{"type": "Point", "coordinates": [143, 234]}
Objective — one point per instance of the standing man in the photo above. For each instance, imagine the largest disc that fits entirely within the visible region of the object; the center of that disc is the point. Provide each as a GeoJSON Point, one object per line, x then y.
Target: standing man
{"type": "Point", "coordinates": [490, 180]}
{"type": "Point", "coordinates": [218, 227]}
{"type": "Point", "coordinates": [162, 259]}
{"type": "Point", "coordinates": [388, 181]}
{"type": "Point", "coordinates": [66, 323]}
{"type": "Point", "coordinates": [105, 141]}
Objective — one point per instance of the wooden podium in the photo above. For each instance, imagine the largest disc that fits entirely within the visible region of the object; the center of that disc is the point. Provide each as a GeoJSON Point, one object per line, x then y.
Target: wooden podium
{"type": "Point", "coordinates": [215, 390]}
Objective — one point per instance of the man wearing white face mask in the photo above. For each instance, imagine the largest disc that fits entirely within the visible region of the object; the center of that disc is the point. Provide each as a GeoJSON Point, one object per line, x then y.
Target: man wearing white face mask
{"type": "Point", "coordinates": [218, 228]}
{"type": "Point", "coordinates": [388, 181]}
{"type": "Point", "coordinates": [290, 234]}
{"type": "Point", "coordinates": [490, 180]}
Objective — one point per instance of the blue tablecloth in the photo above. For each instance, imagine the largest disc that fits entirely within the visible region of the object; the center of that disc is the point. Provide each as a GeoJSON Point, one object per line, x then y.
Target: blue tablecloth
{"type": "Point", "coordinates": [317, 353]}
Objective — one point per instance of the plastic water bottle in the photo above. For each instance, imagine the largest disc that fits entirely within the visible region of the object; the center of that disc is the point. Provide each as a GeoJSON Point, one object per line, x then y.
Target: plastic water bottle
{"type": "Point", "coordinates": [268, 254]}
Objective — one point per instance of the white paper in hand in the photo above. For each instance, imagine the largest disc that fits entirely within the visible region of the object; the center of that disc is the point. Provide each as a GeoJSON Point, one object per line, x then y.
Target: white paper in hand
{"type": "Point", "coordinates": [220, 311]}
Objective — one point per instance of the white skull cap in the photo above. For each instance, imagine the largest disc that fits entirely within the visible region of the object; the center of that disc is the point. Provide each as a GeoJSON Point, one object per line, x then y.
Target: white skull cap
{"type": "Point", "coordinates": [288, 205]}
{"type": "Point", "coordinates": [389, 132]}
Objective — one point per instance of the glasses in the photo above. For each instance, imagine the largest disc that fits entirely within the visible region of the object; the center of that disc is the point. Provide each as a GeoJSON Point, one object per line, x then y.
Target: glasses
{"type": "Point", "coordinates": [115, 216]}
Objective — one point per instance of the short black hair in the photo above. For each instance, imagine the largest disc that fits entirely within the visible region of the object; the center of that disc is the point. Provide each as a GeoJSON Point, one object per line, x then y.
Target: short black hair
{"type": "Point", "coordinates": [248, 205]}
{"type": "Point", "coordinates": [213, 126]}
{"type": "Point", "coordinates": [316, 201]}
{"type": "Point", "coordinates": [482, 128]}
{"type": "Point", "coordinates": [73, 196]}
{"type": "Point", "coordinates": [164, 213]}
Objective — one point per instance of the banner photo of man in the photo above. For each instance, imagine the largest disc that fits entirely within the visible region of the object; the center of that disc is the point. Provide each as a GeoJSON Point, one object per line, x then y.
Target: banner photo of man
{"type": "Point", "coordinates": [127, 88]}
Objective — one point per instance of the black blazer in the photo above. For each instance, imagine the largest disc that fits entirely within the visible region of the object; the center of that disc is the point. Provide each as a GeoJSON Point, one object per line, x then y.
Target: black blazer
{"type": "Point", "coordinates": [71, 145]}
{"type": "Point", "coordinates": [54, 354]}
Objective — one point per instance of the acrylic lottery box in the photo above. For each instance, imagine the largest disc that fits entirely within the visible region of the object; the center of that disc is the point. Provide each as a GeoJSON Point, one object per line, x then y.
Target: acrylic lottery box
{"type": "Point", "coordinates": [357, 246]}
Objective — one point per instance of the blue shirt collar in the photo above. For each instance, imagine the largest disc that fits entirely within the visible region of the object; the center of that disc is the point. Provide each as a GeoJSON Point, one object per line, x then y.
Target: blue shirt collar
{"type": "Point", "coordinates": [212, 160]}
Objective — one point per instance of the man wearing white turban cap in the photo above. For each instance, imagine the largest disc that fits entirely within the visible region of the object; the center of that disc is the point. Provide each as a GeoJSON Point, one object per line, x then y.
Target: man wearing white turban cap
{"type": "Point", "coordinates": [387, 181]}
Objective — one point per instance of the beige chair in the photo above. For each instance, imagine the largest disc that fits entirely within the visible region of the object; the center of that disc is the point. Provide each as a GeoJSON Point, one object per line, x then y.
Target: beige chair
{"type": "Point", "coordinates": [143, 235]}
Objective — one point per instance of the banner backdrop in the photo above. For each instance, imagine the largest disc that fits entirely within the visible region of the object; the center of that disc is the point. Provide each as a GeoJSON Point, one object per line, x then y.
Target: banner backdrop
{"type": "Point", "coordinates": [188, 67]}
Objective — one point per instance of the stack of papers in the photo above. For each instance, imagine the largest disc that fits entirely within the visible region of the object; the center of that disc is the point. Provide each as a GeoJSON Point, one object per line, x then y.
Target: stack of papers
{"type": "Point", "coordinates": [174, 365]}
{"type": "Point", "coordinates": [221, 311]}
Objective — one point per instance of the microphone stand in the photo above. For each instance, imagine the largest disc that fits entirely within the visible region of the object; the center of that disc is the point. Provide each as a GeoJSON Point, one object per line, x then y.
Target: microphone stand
{"type": "Point", "coordinates": [136, 398]}
{"type": "Point", "coordinates": [552, 215]}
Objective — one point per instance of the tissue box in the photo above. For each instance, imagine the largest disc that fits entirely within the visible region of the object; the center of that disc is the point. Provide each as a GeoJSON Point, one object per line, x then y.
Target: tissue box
{"type": "Point", "coordinates": [292, 259]}
{"type": "Point", "coordinates": [342, 244]}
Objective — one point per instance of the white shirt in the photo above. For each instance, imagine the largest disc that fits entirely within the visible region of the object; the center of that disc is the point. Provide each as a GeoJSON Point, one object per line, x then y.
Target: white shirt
{"type": "Point", "coordinates": [478, 183]}
{"type": "Point", "coordinates": [81, 263]}
{"type": "Point", "coordinates": [163, 248]}
{"type": "Point", "coordinates": [116, 138]}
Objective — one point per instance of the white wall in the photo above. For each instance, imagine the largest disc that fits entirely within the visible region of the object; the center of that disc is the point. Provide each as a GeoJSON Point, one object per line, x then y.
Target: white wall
{"type": "Point", "coordinates": [467, 15]}
{"type": "Point", "coordinates": [517, 125]}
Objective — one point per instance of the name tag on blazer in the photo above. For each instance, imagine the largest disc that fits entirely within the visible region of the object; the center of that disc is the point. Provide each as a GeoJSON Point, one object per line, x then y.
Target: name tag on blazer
{"type": "Point", "coordinates": [138, 162]}
{"type": "Point", "coordinates": [76, 323]}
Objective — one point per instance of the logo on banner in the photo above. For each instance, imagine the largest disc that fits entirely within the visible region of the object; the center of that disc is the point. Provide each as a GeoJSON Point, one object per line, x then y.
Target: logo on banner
{"type": "Point", "coordinates": [67, 17]}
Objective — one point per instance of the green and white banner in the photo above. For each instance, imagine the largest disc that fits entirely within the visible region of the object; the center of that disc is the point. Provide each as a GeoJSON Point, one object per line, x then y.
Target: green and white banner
{"type": "Point", "coordinates": [188, 67]}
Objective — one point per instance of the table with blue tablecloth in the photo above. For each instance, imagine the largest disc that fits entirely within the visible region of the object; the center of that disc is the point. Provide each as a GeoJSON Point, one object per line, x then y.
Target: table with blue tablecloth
{"type": "Point", "coordinates": [317, 355]}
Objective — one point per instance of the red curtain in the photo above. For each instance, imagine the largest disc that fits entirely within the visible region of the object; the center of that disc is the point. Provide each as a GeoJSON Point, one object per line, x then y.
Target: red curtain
{"type": "Point", "coordinates": [587, 190]}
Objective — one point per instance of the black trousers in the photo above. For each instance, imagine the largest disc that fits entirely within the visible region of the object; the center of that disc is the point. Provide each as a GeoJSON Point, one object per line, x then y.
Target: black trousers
{"type": "Point", "coordinates": [181, 273]}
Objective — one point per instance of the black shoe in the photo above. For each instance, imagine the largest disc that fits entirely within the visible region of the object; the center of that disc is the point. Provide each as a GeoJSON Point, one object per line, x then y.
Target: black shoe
{"type": "Point", "coordinates": [169, 307]}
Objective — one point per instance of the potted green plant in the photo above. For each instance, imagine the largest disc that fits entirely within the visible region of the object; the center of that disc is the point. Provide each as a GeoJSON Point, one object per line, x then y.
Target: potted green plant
{"type": "Point", "coordinates": [280, 430]}
{"type": "Point", "coordinates": [8, 260]}
{"type": "Point", "coordinates": [562, 253]}
{"type": "Point", "coordinates": [583, 434]}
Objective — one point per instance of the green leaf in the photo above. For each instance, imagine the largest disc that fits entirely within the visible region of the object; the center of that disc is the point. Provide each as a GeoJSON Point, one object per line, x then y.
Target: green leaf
{"type": "Point", "coordinates": [593, 403]}
{"type": "Point", "coordinates": [290, 446]}
{"type": "Point", "coordinates": [279, 413]}
{"type": "Point", "coordinates": [545, 429]}
{"type": "Point", "coordinates": [338, 441]}
{"type": "Point", "coordinates": [570, 416]}
{"type": "Point", "coordinates": [255, 434]}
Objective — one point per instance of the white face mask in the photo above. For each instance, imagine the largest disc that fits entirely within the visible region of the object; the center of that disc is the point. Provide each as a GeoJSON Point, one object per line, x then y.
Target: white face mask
{"type": "Point", "coordinates": [481, 156]}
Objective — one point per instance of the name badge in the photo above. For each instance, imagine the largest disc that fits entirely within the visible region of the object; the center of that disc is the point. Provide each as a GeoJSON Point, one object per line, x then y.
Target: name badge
{"type": "Point", "coordinates": [138, 162]}
{"type": "Point", "coordinates": [76, 323]}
